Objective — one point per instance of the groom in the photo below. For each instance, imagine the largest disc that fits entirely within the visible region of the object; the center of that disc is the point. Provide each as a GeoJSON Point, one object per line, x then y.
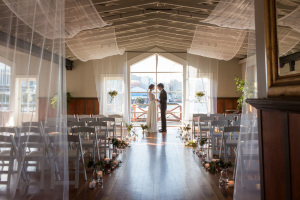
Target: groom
{"type": "Point", "coordinates": [163, 106]}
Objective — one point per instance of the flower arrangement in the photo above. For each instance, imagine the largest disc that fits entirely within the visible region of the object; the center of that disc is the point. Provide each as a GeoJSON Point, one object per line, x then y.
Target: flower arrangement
{"type": "Point", "coordinates": [198, 95]}
{"type": "Point", "coordinates": [119, 143]}
{"type": "Point", "coordinates": [112, 94]}
{"type": "Point", "coordinates": [192, 143]}
{"type": "Point", "coordinates": [103, 165]}
{"type": "Point", "coordinates": [144, 127]}
{"type": "Point", "coordinates": [187, 128]}
{"type": "Point", "coordinates": [217, 165]}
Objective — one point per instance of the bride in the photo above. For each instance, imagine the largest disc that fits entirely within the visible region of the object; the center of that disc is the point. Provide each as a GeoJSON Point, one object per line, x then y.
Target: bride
{"type": "Point", "coordinates": [152, 116]}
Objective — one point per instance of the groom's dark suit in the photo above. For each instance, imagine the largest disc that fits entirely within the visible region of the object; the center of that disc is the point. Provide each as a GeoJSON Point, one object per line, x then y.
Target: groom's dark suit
{"type": "Point", "coordinates": [163, 108]}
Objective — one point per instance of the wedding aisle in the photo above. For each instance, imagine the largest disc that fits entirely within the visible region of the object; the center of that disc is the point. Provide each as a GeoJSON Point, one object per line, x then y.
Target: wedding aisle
{"type": "Point", "coordinates": [156, 166]}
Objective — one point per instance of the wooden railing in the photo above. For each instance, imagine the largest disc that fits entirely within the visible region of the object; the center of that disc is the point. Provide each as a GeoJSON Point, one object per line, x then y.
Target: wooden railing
{"type": "Point", "coordinates": [139, 114]}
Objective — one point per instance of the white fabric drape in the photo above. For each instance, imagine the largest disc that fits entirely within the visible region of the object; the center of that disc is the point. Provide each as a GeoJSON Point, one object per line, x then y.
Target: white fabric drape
{"type": "Point", "coordinates": [111, 74]}
{"type": "Point", "coordinates": [247, 179]}
{"type": "Point", "coordinates": [292, 20]}
{"type": "Point", "coordinates": [216, 42]}
{"type": "Point", "coordinates": [34, 68]}
{"type": "Point", "coordinates": [79, 15]}
{"type": "Point", "coordinates": [94, 44]}
{"type": "Point", "coordinates": [201, 75]}
{"type": "Point", "coordinates": [232, 14]}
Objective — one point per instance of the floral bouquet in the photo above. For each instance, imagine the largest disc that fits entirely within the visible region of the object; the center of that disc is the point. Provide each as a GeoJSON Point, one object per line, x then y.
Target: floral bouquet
{"type": "Point", "coordinates": [112, 94]}
{"type": "Point", "coordinates": [198, 95]}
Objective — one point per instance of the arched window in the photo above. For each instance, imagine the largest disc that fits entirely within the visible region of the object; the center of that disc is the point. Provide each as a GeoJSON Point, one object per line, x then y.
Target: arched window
{"type": "Point", "coordinates": [153, 70]}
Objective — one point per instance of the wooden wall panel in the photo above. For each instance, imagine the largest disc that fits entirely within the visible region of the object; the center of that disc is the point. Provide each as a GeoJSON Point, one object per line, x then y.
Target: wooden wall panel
{"type": "Point", "coordinates": [273, 154]}
{"type": "Point", "coordinates": [225, 103]}
{"type": "Point", "coordinates": [91, 106]}
{"type": "Point", "coordinates": [294, 133]}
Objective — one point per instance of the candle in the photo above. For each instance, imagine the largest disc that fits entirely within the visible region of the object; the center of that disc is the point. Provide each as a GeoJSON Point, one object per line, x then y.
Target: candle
{"type": "Point", "coordinates": [230, 183]}
{"type": "Point", "coordinates": [108, 171]}
{"type": "Point", "coordinates": [107, 160]}
{"type": "Point", "coordinates": [116, 162]}
{"type": "Point", "coordinates": [114, 155]}
{"type": "Point", "coordinates": [99, 174]}
{"type": "Point", "coordinates": [215, 160]}
{"type": "Point", "coordinates": [92, 184]}
{"type": "Point", "coordinates": [207, 165]}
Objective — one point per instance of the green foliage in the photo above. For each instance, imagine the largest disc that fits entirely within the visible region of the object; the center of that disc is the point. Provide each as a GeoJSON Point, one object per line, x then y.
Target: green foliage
{"type": "Point", "coordinates": [129, 127]}
{"type": "Point", "coordinates": [198, 95]}
{"type": "Point", "coordinates": [240, 85]}
{"type": "Point", "coordinates": [119, 143]}
{"type": "Point", "coordinates": [112, 94]}
{"type": "Point", "coordinates": [54, 99]}
{"type": "Point", "coordinates": [140, 100]}
{"type": "Point", "coordinates": [144, 127]}
{"type": "Point", "coordinates": [214, 167]}
{"type": "Point", "coordinates": [187, 128]}
{"type": "Point", "coordinates": [192, 143]}
{"type": "Point", "coordinates": [202, 141]}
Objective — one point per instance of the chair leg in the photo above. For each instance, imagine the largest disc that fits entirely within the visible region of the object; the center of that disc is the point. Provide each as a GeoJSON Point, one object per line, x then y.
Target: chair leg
{"type": "Point", "coordinates": [84, 171]}
{"type": "Point", "coordinates": [42, 165]}
{"type": "Point", "coordinates": [77, 173]}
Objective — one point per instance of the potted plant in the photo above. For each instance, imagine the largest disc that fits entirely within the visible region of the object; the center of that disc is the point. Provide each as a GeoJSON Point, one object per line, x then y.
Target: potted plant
{"type": "Point", "coordinates": [192, 143]}
{"type": "Point", "coordinates": [202, 142]}
{"type": "Point", "coordinates": [112, 95]}
{"type": "Point", "coordinates": [144, 127]}
{"type": "Point", "coordinates": [224, 167]}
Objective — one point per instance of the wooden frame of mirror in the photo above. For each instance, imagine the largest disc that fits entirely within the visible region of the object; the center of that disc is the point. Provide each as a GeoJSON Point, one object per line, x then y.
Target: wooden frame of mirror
{"type": "Point", "coordinates": [278, 86]}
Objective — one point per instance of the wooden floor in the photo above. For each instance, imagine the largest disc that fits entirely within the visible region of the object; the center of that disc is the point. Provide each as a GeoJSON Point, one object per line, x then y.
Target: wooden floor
{"type": "Point", "coordinates": [156, 166]}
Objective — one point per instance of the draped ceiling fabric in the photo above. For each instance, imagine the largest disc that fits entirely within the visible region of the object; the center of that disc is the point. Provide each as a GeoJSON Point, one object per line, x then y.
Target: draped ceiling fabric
{"type": "Point", "coordinates": [94, 44]}
{"type": "Point", "coordinates": [32, 60]}
{"type": "Point", "coordinates": [217, 42]}
{"type": "Point", "coordinates": [287, 39]}
{"type": "Point", "coordinates": [79, 15]}
{"type": "Point", "coordinates": [232, 14]}
{"type": "Point", "coordinates": [292, 20]}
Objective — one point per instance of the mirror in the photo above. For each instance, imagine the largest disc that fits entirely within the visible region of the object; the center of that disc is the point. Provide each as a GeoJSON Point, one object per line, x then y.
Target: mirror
{"type": "Point", "coordinates": [282, 35]}
{"type": "Point", "coordinates": [288, 36]}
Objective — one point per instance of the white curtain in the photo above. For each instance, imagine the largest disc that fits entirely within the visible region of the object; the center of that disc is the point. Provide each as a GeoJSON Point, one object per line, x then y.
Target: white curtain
{"type": "Point", "coordinates": [34, 72]}
{"type": "Point", "coordinates": [247, 179]}
{"type": "Point", "coordinates": [111, 75]}
{"type": "Point", "coordinates": [201, 75]}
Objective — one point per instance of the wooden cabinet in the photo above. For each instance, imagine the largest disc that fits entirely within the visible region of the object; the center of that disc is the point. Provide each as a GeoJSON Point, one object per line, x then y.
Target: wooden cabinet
{"type": "Point", "coordinates": [279, 134]}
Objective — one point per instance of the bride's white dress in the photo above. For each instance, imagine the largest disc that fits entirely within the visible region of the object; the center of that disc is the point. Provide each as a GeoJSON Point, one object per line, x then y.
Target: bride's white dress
{"type": "Point", "coordinates": [152, 116]}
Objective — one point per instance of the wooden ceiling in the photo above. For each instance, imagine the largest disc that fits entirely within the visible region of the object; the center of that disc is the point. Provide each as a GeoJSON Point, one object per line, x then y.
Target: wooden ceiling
{"type": "Point", "coordinates": [141, 25]}
{"type": "Point", "coordinates": [168, 24]}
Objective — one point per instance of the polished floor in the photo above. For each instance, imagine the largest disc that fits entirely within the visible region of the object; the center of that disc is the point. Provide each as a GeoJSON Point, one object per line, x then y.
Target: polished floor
{"type": "Point", "coordinates": [156, 166]}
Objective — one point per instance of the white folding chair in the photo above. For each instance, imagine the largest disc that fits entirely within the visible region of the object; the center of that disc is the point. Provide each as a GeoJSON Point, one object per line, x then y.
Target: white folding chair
{"type": "Point", "coordinates": [72, 119]}
{"type": "Point", "coordinates": [119, 123]}
{"type": "Point", "coordinates": [38, 153]}
{"type": "Point", "coordinates": [59, 151]}
{"type": "Point", "coordinates": [87, 119]}
{"type": "Point", "coordinates": [227, 140]}
{"type": "Point", "coordinates": [217, 127]}
{"type": "Point", "coordinates": [8, 155]}
{"type": "Point", "coordinates": [196, 122]}
{"type": "Point", "coordinates": [215, 116]}
{"type": "Point", "coordinates": [89, 139]}
{"type": "Point", "coordinates": [205, 126]}
{"type": "Point", "coordinates": [102, 135]}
